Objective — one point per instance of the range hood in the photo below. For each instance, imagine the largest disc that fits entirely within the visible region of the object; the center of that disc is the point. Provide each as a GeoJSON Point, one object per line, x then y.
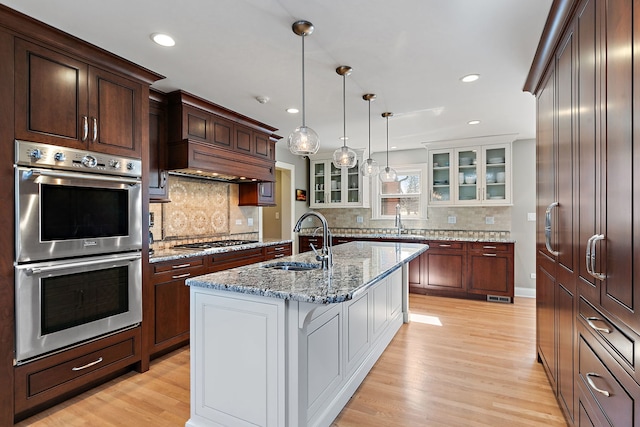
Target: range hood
{"type": "Point", "coordinates": [206, 161]}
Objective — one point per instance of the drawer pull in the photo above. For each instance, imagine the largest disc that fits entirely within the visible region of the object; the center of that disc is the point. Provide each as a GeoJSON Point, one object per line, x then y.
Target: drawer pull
{"type": "Point", "coordinates": [489, 247]}
{"type": "Point", "coordinates": [88, 365]}
{"type": "Point", "coordinates": [281, 248]}
{"type": "Point", "coordinates": [181, 266]}
{"type": "Point", "coordinates": [278, 255]}
{"type": "Point", "coordinates": [593, 386]}
{"type": "Point", "coordinates": [489, 255]}
{"type": "Point", "coordinates": [445, 246]}
{"type": "Point", "coordinates": [181, 276]}
{"type": "Point", "coordinates": [590, 321]}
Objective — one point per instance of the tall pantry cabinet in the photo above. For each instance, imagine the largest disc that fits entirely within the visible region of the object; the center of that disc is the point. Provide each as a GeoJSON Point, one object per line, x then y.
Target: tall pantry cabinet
{"type": "Point", "coordinates": [586, 77]}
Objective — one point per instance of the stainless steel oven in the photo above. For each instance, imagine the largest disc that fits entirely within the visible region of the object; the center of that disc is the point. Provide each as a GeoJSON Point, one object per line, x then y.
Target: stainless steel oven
{"type": "Point", "coordinates": [78, 248]}
{"type": "Point", "coordinates": [72, 203]}
{"type": "Point", "coordinates": [60, 303]}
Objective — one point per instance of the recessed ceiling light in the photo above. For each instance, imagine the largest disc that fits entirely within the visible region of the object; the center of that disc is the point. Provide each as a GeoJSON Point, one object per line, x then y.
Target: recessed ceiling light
{"type": "Point", "coordinates": [163, 39]}
{"type": "Point", "coordinates": [470, 78]}
{"type": "Point", "coordinates": [473, 122]}
{"type": "Point", "coordinates": [293, 110]}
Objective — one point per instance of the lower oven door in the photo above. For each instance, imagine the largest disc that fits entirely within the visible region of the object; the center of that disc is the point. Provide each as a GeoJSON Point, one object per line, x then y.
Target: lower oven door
{"type": "Point", "coordinates": [61, 303]}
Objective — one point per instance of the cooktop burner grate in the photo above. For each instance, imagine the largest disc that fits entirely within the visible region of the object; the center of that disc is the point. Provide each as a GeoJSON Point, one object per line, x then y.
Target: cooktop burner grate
{"type": "Point", "coordinates": [214, 244]}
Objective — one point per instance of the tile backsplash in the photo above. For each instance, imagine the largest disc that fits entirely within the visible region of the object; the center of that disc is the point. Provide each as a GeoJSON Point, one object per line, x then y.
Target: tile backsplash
{"type": "Point", "coordinates": [200, 210]}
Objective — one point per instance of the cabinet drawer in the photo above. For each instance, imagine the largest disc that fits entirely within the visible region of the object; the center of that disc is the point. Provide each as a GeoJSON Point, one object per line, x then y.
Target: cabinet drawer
{"type": "Point", "coordinates": [180, 269]}
{"type": "Point", "coordinates": [445, 244]}
{"type": "Point", "coordinates": [226, 260]}
{"type": "Point", "coordinates": [278, 251]}
{"type": "Point", "coordinates": [491, 247]}
{"type": "Point", "coordinates": [607, 330]}
{"type": "Point", "coordinates": [47, 379]}
{"type": "Point", "coordinates": [602, 380]}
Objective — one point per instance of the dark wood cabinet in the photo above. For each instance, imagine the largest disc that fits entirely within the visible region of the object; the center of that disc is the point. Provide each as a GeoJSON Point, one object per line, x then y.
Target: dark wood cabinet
{"type": "Point", "coordinates": [277, 251]}
{"type": "Point", "coordinates": [443, 268]}
{"type": "Point", "coordinates": [588, 301]}
{"type": "Point", "coordinates": [305, 242]}
{"type": "Point", "coordinates": [65, 101]}
{"type": "Point", "coordinates": [158, 189]}
{"type": "Point", "coordinates": [257, 194]}
{"type": "Point", "coordinates": [490, 269]}
{"type": "Point", "coordinates": [226, 260]}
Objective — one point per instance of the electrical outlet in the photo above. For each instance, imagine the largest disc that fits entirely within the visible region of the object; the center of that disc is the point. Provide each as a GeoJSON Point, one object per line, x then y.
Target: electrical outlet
{"type": "Point", "coordinates": [250, 222]}
{"type": "Point", "coordinates": [277, 215]}
{"type": "Point", "coordinates": [359, 219]}
{"type": "Point", "coordinates": [531, 216]}
{"type": "Point", "coordinates": [238, 222]}
{"type": "Point", "coordinates": [533, 275]}
{"type": "Point", "coordinates": [452, 219]}
{"type": "Point", "coordinates": [489, 220]}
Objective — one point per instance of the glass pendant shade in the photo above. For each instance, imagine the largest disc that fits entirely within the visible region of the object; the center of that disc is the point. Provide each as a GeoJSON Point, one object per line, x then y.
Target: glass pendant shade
{"type": "Point", "coordinates": [303, 141]}
{"type": "Point", "coordinates": [344, 157]}
{"type": "Point", "coordinates": [388, 175]}
{"type": "Point", "coordinates": [369, 168]}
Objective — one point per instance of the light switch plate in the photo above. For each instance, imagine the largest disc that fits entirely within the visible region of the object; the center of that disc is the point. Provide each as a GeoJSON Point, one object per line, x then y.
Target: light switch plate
{"type": "Point", "coordinates": [452, 219]}
{"type": "Point", "coordinates": [359, 219]}
{"type": "Point", "coordinates": [250, 221]}
{"type": "Point", "coordinates": [531, 216]}
{"type": "Point", "coordinates": [489, 220]}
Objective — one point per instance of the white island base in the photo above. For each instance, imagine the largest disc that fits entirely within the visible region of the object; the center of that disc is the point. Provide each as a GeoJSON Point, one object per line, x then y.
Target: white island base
{"type": "Point", "coordinates": [261, 361]}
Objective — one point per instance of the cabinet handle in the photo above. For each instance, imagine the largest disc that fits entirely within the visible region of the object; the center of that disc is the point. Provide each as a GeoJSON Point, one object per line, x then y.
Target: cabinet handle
{"type": "Point", "coordinates": [594, 239]}
{"type": "Point", "coordinates": [95, 129]}
{"type": "Point", "coordinates": [590, 321]}
{"type": "Point", "coordinates": [489, 247]}
{"type": "Point", "coordinates": [261, 189]}
{"type": "Point", "coordinates": [489, 255]}
{"type": "Point", "coordinates": [547, 228]}
{"type": "Point", "coordinates": [444, 246]}
{"type": "Point", "coordinates": [280, 248]}
{"type": "Point", "coordinates": [88, 365]}
{"type": "Point", "coordinates": [181, 276]}
{"type": "Point", "coordinates": [163, 181]}
{"type": "Point", "coordinates": [181, 266]}
{"type": "Point", "coordinates": [85, 128]}
{"type": "Point", "coordinates": [588, 255]}
{"type": "Point", "coordinates": [278, 255]}
{"type": "Point", "coordinates": [593, 386]}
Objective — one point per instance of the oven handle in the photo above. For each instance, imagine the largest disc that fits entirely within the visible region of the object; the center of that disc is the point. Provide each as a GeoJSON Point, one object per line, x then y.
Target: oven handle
{"type": "Point", "coordinates": [44, 269]}
{"type": "Point", "coordinates": [71, 175]}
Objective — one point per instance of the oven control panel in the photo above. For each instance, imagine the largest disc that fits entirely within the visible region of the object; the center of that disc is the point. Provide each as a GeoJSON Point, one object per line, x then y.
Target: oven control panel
{"type": "Point", "coordinates": [35, 154]}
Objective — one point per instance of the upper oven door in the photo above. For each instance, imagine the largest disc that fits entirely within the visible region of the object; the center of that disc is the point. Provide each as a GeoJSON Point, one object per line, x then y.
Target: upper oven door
{"type": "Point", "coordinates": [64, 214]}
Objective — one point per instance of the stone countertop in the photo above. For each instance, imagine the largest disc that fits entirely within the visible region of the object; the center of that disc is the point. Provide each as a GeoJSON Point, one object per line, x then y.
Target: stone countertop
{"type": "Point", "coordinates": [417, 237]}
{"type": "Point", "coordinates": [357, 265]}
{"type": "Point", "coordinates": [174, 254]}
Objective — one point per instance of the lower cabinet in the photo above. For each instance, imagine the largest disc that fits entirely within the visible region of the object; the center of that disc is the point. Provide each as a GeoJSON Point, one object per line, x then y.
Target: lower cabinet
{"type": "Point", "coordinates": [50, 380]}
{"type": "Point", "coordinates": [277, 251]}
{"type": "Point", "coordinates": [305, 242]}
{"type": "Point", "coordinates": [464, 269]}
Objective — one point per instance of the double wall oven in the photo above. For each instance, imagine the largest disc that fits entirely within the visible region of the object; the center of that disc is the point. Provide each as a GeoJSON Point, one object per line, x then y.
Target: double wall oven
{"type": "Point", "coordinates": [78, 262]}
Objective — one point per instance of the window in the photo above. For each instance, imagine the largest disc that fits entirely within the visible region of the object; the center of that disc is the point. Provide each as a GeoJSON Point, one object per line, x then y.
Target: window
{"type": "Point", "coordinates": [406, 192]}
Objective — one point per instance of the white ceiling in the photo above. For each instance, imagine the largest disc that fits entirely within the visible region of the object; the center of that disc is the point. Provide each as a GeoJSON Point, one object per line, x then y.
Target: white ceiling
{"type": "Point", "coordinates": [410, 53]}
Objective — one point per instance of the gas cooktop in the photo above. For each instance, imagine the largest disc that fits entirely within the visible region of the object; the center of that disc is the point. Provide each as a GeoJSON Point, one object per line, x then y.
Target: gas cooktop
{"type": "Point", "coordinates": [214, 244]}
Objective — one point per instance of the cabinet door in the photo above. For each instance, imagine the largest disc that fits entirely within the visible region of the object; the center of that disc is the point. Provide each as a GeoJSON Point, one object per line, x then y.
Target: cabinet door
{"type": "Point", "coordinates": [441, 183]}
{"type": "Point", "coordinates": [244, 140]}
{"type": "Point", "coordinates": [257, 194]}
{"type": "Point", "coordinates": [490, 270]}
{"type": "Point", "coordinates": [172, 310]}
{"type": "Point", "coordinates": [319, 187]}
{"type": "Point", "coordinates": [468, 188]}
{"type": "Point", "coordinates": [115, 110]}
{"type": "Point", "coordinates": [50, 97]}
{"type": "Point", "coordinates": [223, 132]}
{"type": "Point", "coordinates": [157, 152]}
{"type": "Point", "coordinates": [445, 266]}
{"type": "Point", "coordinates": [353, 185]}
{"type": "Point", "coordinates": [261, 145]}
{"type": "Point", "coordinates": [335, 183]}
{"type": "Point", "coordinates": [496, 174]}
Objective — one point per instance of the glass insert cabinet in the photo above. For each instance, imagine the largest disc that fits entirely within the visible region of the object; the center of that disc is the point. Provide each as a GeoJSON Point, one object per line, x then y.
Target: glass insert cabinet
{"type": "Point", "coordinates": [470, 175]}
{"type": "Point", "coordinates": [337, 187]}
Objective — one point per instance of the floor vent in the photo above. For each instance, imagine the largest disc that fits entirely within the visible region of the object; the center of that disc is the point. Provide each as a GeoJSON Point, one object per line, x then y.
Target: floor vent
{"type": "Point", "coordinates": [497, 298]}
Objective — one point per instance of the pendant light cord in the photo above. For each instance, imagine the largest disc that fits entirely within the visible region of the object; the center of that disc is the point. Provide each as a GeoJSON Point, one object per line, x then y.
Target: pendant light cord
{"type": "Point", "coordinates": [344, 110]}
{"type": "Point", "coordinates": [369, 127]}
{"type": "Point", "coordinates": [303, 116]}
{"type": "Point", "coordinates": [387, 142]}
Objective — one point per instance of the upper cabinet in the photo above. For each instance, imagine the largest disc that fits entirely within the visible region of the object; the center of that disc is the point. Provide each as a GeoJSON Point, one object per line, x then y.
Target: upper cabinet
{"type": "Point", "coordinates": [470, 175]}
{"type": "Point", "coordinates": [333, 187]}
{"type": "Point", "coordinates": [158, 189]}
{"type": "Point", "coordinates": [63, 100]}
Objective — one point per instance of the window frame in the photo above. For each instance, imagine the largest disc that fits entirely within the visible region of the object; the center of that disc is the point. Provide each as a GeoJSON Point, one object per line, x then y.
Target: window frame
{"type": "Point", "coordinates": [402, 170]}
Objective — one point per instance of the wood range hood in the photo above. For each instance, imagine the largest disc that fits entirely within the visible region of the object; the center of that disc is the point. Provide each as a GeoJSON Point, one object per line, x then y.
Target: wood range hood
{"type": "Point", "coordinates": [211, 142]}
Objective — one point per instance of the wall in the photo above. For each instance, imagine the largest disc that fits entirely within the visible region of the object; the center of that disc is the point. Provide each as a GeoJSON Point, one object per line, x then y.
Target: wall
{"type": "Point", "coordinates": [271, 215]}
{"type": "Point", "coordinates": [201, 210]}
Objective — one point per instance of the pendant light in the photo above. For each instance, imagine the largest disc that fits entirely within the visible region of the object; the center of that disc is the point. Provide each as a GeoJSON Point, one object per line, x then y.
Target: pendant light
{"type": "Point", "coordinates": [369, 167]}
{"type": "Point", "coordinates": [344, 157]}
{"type": "Point", "coordinates": [303, 141]}
{"type": "Point", "coordinates": [388, 174]}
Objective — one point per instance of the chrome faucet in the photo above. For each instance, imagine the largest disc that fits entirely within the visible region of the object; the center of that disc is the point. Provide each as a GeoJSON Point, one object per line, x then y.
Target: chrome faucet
{"type": "Point", "coordinates": [398, 224]}
{"type": "Point", "coordinates": [326, 255]}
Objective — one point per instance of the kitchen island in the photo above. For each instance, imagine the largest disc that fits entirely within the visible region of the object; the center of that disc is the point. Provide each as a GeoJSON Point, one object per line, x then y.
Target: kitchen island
{"type": "Point", "coordinates": [272, 347]}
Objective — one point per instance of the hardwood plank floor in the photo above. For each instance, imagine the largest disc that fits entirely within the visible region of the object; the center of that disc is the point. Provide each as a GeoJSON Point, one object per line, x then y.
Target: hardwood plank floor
{"type": "Point", "coordinates": [458, 363]}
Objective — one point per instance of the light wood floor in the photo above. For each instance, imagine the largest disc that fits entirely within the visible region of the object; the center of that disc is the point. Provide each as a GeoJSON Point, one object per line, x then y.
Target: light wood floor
{"type": "Point", "coordinates": [458, 363]}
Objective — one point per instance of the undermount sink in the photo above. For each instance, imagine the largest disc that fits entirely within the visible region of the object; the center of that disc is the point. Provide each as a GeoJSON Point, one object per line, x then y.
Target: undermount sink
{"type": "Point", "coordinates": [293, 266]}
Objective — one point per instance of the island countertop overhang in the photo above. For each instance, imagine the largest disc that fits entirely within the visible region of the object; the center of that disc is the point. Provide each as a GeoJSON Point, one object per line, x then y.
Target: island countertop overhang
{"type": "Point", "coordinates": [357, 266]}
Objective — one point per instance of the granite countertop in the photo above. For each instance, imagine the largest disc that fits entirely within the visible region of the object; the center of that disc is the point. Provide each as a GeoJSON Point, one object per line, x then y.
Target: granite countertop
{"type": "Point", "coordinates": [174, 254]}
{"type": "Point", "coordinates": [418, 237]}
{"type": "Point", "coordinates": [357, 265]}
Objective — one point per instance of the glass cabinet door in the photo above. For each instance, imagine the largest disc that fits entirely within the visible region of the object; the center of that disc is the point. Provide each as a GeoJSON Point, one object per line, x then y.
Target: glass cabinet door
{"type": "Point", "coordinates": [467, 179]}
{"type": "Point", "coordinates": [319, 178]}
{"type": "Point", "coordinates": [353, 184]}
{"type": "Point", "coordinates": [440, 178]}
{"type": "Point", "coordinates": [335, 183]}
{"type": "Point", "coordinates": [495, 174]}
